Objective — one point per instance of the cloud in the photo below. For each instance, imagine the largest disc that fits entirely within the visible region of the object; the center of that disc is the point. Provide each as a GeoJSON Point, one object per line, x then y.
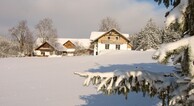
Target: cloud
{"type": "Point", "coordinates": [77, 18]}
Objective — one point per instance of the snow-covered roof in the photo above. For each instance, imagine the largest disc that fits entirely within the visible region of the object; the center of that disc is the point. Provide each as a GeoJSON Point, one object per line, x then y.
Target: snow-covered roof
{"type": "Point", "coordinates": [94, 35]}
{"type": "Point", "coordinates": [81, 42]}
{"type": "Point", "coordinates": [60, 47]}
{"type": "Point", "coordinates": [60, 41]}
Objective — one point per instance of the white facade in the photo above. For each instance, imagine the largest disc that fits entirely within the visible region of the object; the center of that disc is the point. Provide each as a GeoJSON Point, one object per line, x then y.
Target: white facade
{"type": "Point", "coordinates": [70, 50]}
{"type": "Point", "coordinates": [100, 47]}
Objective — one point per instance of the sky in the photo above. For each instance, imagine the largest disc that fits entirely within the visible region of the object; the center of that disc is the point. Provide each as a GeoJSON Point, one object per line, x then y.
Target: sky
{"type": "Point", "coordinates": [78, 18]}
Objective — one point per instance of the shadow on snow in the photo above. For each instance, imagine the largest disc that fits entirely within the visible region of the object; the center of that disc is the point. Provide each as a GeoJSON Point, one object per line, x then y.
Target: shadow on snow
{"type": "Point", "coordinates": [153, 67]}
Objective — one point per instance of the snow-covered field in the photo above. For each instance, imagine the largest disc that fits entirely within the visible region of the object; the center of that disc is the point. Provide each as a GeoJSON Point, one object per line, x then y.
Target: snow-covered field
{"type": "Point", "coordinates": [39, 81]}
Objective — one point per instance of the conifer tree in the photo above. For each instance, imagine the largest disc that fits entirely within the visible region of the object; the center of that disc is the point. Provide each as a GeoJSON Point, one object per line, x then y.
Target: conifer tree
{"type": "Point", "coordinates": [149, 37]}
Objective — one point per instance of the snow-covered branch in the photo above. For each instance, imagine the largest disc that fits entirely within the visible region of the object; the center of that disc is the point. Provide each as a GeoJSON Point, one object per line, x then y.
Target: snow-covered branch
{"type": "Point", "coordinates": [177, 13]}
{"type": "Point", "coordinates": [167, 50]}
{"type": "Point", "coordinates": [169, 87]}
{"type": "Point", "coordinates": [138, 80]}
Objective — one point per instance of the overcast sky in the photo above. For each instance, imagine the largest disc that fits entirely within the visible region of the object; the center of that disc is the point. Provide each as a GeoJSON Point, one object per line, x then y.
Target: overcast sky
{"type": "Point", "coordinates": [78, 18]}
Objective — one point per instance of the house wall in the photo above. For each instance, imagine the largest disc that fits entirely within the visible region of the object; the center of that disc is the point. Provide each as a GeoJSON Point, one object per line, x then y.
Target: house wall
{"type": "Point", "coordinates": [101, 47]}
{"type": "Point", "coordinates": [70, 50]}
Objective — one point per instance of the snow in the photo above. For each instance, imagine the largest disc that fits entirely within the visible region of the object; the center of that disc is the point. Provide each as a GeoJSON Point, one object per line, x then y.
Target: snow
{"type": "Point", "coordinates": [41, 81]}
{"type": "Point", "coordinates": [177, 13]}
{"type": "Point", "coordinates": [94, 35]}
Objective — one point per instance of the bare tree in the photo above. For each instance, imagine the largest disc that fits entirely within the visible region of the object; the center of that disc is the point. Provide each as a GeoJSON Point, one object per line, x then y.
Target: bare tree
{"type": "Point", "coordinates": [8, 48]}
{"type": "Point", "coordinates": [46, 31]}
{"type": "Point", "coordinates": [22, 35]}
{"type": "Point", "coordinates": [80, 49]}
{"type": "Point", "coordinates": [29, 44]}
{"type": "Point", "coordinates": [109, 23]}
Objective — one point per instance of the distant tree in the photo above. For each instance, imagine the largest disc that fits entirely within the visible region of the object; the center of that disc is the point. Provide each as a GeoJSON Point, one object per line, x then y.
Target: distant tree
{"type": "Point", "coordinates": [108, 23]}
{"type": "Point", "coordinates": [22, 35]}
{"type": "Point", "coordinates": [149, 37]}
{"type": "Point", "coordinates": [133, 41]}
{"type": "Point", "coordinates": [80, 50]}
{"type": "Point", "coordinates": [46, 31]}
{"type": "Point", "coordinates": [8, 48]}
{"type": "Point", "coordinates": [29, 44]}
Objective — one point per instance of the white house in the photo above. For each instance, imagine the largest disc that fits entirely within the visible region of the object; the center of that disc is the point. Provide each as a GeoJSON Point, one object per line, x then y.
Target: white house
{"type": "Point", "coordinates": [110, 40]}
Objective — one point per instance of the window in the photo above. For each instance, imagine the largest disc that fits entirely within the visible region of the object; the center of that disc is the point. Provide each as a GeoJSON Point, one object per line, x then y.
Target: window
{"type": "Point", "coordinates": [108, 37]}
{"type": "Point", "coordinates": [117, 38]}
{"type": "Point", "coordinates": [117, 47]}
{"type": "Point", "coordinates": [106, 46]}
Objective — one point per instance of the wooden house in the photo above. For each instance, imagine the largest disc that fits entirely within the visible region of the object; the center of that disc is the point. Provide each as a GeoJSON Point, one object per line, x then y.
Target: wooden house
{"type": "Point", "coordinates": [110, 40]}
{"type": "Point", "coordinates": [45, 49]}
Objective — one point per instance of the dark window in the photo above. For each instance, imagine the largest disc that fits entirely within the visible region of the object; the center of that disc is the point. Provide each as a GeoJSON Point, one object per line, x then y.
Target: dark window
{"type": "Point", "coordinates": [117, 47]}
{"type": "Point", "coordinates": [96, 53]}
{"type": "Point", "coordinates": [117, 38]}
{"type": "Point", "coordinates": [106, 46]}
{"type": "Point", "coordinates": [108, 37]}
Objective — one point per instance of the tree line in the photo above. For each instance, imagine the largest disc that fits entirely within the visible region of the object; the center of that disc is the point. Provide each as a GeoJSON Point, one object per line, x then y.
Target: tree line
{"type": "Point", "coordinates": [152, 36]}
{"type": "Point", "coordinates": [23, 39]}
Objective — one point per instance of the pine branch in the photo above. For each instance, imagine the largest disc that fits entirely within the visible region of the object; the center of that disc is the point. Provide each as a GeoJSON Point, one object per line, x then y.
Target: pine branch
{"type": "Point", "coordinates": [136, 81]}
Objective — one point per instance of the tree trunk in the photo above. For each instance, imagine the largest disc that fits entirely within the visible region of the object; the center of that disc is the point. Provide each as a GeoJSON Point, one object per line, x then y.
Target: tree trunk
{"type": "Point", "coordinates": [191, 17]}
{"type": "Point", "coordinates": [189, 26]}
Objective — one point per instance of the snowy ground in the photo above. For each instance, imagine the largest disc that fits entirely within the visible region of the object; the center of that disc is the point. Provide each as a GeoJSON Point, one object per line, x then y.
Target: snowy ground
{"type": "Point", "coordinates": [51, 82]}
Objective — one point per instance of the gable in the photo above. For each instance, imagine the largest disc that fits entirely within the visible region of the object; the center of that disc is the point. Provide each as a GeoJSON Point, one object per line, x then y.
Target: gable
{"type": "Point", "coordinates": [112, 37]}
{"type": "Point", "coordinates": [45, 46]}
{"type": "Point", "coordinates": [69, 44]}
{"type": "Point", "coordinates": [96, 35]}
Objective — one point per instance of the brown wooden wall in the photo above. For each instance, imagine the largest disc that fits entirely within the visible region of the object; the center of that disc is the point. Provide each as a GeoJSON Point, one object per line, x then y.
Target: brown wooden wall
{"type": "Point", "coordinates": [112, 38]}
{"type": "Point", "coordinates": [69, 44]}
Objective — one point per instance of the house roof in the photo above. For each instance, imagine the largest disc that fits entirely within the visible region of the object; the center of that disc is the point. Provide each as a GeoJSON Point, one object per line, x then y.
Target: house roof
{"type": "Point", "coordinates": [76, 41]}
{"type": "Point", "coordinates": [43, 44]}
{"type": "Point", "coordinates": [60, 41]}
{"type": "Point", "coordinates": [96, 35]}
